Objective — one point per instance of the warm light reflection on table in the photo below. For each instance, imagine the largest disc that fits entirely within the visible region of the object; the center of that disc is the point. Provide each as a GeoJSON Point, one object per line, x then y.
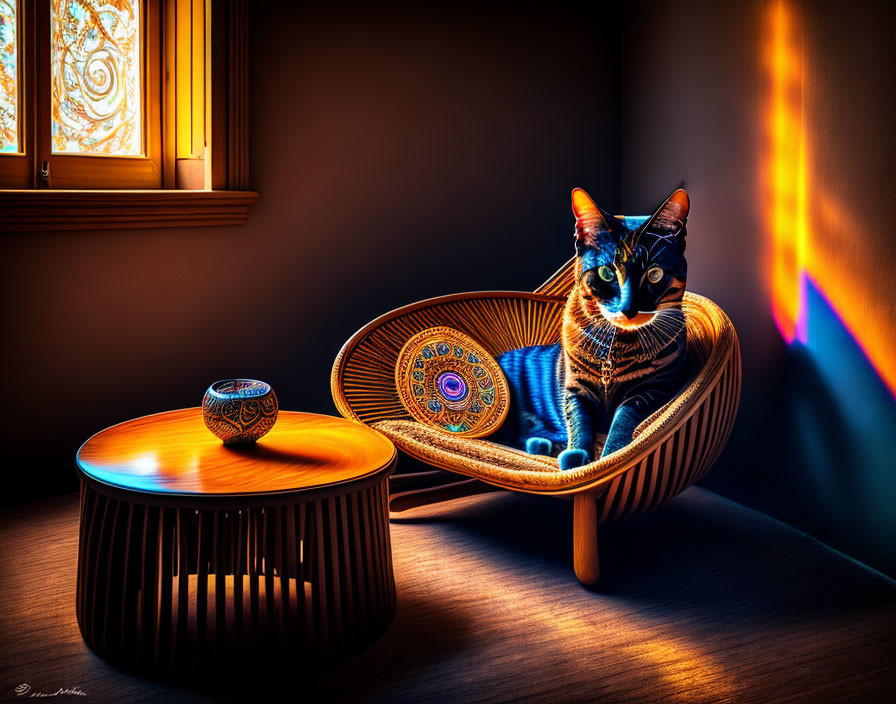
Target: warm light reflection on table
{"type": "Point", "coordinates": [174, 452]}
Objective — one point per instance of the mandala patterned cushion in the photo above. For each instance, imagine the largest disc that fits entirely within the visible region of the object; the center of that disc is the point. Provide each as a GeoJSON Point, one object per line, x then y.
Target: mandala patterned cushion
{"type": "Point", "coordinates": [446, 380]}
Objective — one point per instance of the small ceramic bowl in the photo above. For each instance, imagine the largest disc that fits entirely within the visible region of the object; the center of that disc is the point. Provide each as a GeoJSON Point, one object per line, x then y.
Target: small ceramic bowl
{"type": "Point", "coordinates": [239, 411]}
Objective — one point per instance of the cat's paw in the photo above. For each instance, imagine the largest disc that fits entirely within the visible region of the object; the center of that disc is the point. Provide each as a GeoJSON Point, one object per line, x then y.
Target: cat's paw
{"type": "Point", "coordinates": [572, 458]}
{"type": "Point", "coordinates": [538, 446]}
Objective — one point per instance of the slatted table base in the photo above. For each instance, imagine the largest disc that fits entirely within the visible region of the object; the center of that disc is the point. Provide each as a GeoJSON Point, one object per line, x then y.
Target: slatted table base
{"type": "Point", "coordinates": [176, 590]}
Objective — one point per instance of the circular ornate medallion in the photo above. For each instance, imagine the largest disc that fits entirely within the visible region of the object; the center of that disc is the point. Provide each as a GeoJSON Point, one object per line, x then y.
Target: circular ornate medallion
{"type": "Point", "coordinates": [446, 380]}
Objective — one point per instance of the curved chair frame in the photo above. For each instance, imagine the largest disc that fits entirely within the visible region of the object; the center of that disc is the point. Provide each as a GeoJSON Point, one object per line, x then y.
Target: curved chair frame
{"type": "Point", "coordinates": [672, 449]}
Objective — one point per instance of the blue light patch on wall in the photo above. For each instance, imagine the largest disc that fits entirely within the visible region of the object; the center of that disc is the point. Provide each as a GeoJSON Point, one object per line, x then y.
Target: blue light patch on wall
{"type": "Point", "coordinates": [845, 429]}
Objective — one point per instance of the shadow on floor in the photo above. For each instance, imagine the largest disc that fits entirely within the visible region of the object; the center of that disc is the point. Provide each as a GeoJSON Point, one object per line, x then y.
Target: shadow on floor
{"type": "Point", "coordinates": [700, 601]}
{"type": "Point", "coordinates": [405, 648]}
{"type": "Point", "coordinates": [662, 559]}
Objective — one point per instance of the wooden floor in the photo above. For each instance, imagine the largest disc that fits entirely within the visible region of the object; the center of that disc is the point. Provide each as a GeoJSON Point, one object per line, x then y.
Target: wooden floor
{"type": "Point", "coordinates": [702, 601]}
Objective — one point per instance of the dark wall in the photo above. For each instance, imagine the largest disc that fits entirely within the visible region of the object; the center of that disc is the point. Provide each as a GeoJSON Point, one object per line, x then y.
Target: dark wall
{"type": "Point", "coordinates": [399, 154]}
{"type": "Point", "coordinates": [813, 444]}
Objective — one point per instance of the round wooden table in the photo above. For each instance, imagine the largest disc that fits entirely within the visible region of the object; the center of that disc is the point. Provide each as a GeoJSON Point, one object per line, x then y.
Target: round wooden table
{"type": "Point", "coordinates": [193, 553]}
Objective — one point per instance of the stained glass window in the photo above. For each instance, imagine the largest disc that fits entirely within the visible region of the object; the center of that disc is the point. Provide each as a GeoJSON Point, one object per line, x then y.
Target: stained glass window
{"type": "Point", "coordinates": [9, 78]}
{"type": "Point", "coordinates": [95, 74]}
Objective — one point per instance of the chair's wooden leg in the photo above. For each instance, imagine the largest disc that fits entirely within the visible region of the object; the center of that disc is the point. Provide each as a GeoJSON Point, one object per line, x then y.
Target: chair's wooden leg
{"type": "Point", "coordinates": [584, 538]}
{"type": "Point", "coordinates": [419, 497]}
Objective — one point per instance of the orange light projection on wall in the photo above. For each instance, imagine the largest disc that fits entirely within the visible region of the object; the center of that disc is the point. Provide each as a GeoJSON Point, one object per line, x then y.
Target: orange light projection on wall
{"type": "Point", "coordinates": [785, 176]}
{"type": "Point", "coordinates": [813, 238]}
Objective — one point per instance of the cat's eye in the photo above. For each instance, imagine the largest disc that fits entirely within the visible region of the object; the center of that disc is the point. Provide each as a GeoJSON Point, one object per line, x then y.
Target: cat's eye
{"type": "Point", "coordinates": [606, 273]}
{"type": "Point", "coordinates": [654, 275]}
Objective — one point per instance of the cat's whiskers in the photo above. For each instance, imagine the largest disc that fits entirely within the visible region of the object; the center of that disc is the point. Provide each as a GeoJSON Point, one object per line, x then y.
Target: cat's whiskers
{"type": "Point", "coordinates": [662, 330]}
{"type": "Point", "coordinates": [650, 341]}
{"type": "Point", "coordinates": [600, 335]}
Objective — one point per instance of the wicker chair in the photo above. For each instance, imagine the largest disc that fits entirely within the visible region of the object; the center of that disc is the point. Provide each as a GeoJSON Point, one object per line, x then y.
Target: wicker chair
{"type": "Point", "coordinates": [671, 450]}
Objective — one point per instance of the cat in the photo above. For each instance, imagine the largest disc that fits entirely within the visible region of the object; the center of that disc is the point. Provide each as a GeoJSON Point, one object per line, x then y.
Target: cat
{"type": "Point", "coordinates": [623, 353]}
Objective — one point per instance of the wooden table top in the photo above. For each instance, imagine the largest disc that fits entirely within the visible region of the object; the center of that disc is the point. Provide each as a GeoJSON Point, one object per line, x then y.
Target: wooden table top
{"type": "Point", "coordinates": [174, 453]}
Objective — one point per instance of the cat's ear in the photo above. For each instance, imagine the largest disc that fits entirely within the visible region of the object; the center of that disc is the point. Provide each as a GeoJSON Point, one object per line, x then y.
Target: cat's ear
{"type": "Point", "coordinates": [672, 217]}
{"type": "Point", "coordinates": [591, 220]}
{"type": "Point", "coordinates": [582, 205]}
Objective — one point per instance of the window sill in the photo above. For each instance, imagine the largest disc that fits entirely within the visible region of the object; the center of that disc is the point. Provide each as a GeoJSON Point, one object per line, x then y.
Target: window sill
{"type": "Point", "coordinates": [47, 209]}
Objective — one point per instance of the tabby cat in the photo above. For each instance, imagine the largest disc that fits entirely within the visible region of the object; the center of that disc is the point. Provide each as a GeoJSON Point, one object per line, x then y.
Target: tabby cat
{"type": "Point", "coordinates": [623, 351]}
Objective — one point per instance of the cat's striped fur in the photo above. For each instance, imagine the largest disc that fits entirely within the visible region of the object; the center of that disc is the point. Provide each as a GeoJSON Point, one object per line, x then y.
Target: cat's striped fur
{"type": "Point", "coordinates": [623, 352]}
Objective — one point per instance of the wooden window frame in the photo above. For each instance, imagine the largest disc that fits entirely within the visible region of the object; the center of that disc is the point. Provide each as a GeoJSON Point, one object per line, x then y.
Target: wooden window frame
{"type": "Point", "coordinates": [98, 171]}
{"type": "Point", "coordinates": [195, 168]}
{"type": "Point", "coordinates": [17, 168]}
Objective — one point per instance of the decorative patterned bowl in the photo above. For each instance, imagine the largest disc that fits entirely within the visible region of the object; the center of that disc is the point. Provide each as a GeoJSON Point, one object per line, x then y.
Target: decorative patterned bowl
{"type": "Point", "coordinates": [239, 411]}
